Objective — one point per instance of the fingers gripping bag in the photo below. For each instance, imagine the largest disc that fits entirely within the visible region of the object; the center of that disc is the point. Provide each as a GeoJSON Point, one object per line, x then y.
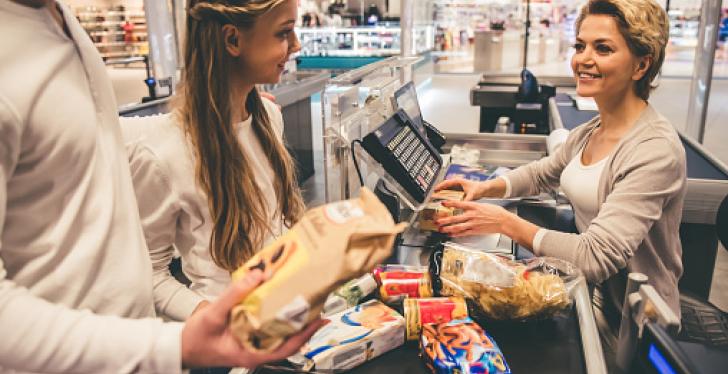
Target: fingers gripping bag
{"type": "Point", "coordinates": [330, 245]}
{"type": "Point", "coordinates": [461, 346]}
{"type": "Point", "coordinates": [506, 289]}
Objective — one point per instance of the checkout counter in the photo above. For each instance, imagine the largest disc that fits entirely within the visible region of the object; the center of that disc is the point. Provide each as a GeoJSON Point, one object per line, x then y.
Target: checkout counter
{"type": "Point", "coordinates": [353, 105]}
{"type": "Point", "coordinates": [293, 95]}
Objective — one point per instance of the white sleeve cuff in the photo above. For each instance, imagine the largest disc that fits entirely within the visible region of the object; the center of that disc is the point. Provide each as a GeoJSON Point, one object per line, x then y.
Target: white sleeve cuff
{"type": "Point", "coordinates": [167, 352]}
{"type": "Point", "coordinates": [537, 241]}
{"type": "Point", "coordinates": [508, 186]}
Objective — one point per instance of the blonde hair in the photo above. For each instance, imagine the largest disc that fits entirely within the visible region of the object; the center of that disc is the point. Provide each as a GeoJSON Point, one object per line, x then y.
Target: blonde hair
{"type": "Point", "coordinates": [240, 217]}
{"type": "Point", "coordinates": [645, 27]}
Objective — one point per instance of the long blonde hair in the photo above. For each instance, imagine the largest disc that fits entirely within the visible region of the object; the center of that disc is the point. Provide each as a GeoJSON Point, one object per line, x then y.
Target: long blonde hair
{"type": "Point", "coordinates": [240, 217]}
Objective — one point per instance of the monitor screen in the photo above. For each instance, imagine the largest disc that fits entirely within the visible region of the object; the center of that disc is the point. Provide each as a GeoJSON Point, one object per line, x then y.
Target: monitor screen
{"type": "Point", "coordinates": [659, 353]}
{"type": "Point", "coordinates": [406, 98]}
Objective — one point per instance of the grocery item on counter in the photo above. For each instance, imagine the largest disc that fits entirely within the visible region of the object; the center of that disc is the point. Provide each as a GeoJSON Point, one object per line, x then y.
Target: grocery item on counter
{"type": "Point", "coordinates": [474, 173]}
{"type": "Point", "coordinates": [434, 209]}
{"type": "Point", "coordinates": [419, 312]}
{"type": "Point", "coordinates": [350, 294]}
{"type": "Point", "coordinates": [329, 245]}
{"type": "Point", "coordinates": [468, 172]}
{"type": "Point", "coordinates": [461, 346]}
{"type": "Point", "coordinates": [506, 289]}
{"type": "Point", "coordinates": [464, 154]}
{"type": "Point", "coordinates": [399, 282]}
{"type": "Point", "coordinates": [353, 337]}
{"type": "Point", "coordinates": [453, 195]}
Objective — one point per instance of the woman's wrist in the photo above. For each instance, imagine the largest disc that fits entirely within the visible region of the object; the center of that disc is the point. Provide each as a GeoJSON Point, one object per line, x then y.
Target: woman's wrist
{"type": "Point", "coordinates": [492, 188]}
{"type": "Point", "coordinates": [518, 229]}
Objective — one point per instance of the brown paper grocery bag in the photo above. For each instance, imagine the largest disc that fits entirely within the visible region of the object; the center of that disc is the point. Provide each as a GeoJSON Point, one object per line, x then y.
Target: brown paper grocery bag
{"type": "Point", "coordinates": [328, 246]}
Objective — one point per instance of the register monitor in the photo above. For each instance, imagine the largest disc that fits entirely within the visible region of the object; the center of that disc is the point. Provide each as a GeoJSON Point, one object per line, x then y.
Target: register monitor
{"type": "Point", "coordinates": [405, 154]}
{"type": "Point", "coordinates": [406, 98]}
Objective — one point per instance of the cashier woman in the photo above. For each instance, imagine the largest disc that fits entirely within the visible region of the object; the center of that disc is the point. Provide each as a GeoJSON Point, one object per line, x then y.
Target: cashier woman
{"type": "Point", "coordinates": [623, 171]}
{"type": "Point", "coordinates": [75, 276]}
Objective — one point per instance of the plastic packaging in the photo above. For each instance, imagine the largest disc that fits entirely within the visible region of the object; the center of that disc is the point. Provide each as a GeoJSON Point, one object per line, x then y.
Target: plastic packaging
{"type": "Point", "coordinates": [350, 294]}
{"type": "Point", "coordinates": [506, 289]}
{"type": "Point", "coordinates": [419, 312]}
{"type": "Point", "coordinates": [464, 155]}
{"type": "Point", "coordinates": [461, 346]}
{"type": "Point", "coordinates": [353, 337]}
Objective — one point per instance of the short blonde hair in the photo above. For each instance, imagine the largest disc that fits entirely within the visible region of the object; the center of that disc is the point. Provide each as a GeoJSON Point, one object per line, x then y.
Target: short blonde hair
{"type": "Point", "coordinates": [645, 27]}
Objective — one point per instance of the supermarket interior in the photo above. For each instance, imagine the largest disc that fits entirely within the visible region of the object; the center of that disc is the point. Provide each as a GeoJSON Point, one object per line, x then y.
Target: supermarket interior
{"type": "Point", "coordinates": [488, 87]}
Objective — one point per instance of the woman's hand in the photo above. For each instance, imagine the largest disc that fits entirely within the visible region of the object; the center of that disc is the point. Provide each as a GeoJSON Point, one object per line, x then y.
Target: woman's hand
{"type": "Point", "coordinates": [207, 340]}
{"type": "Point", "coordinates": [483, 218]}
{"type": "Point", "coordinates": [473, 190]}
{"type": "Point", "coordinates": [476, 219]}
{"type": "Point", "coordinates": [200, 306]}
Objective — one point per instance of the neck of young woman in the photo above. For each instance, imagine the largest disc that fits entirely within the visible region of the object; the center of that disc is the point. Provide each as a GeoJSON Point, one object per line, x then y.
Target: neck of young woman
{"type": "Point", "coordinates": [619, 111]}
{"type": "Point", "coordinates": [239, 96]}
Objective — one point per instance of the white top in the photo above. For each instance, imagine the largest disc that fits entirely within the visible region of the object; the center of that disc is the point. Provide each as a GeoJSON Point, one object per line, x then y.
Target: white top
{"type": "Point", "coordinates": [72, 254]}
{"type": "Point", "coordinates": [174, 210]}
{"type": "Point", "coordinates": [580, 183]}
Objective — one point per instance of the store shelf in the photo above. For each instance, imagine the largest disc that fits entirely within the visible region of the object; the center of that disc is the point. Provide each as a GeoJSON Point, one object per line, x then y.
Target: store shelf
{"type": "Point", "coordinates": [361, 41]}
{"type": "Point", "coordinates": [105, 27]}
{"type": "Point", "coordinates": [119, 44]}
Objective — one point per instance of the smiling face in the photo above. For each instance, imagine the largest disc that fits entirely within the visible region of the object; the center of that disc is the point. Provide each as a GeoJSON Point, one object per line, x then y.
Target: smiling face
{"type": "Point", "coordinates": [603, 64]}
{"type": "Point", "coordinates": [265, 47]}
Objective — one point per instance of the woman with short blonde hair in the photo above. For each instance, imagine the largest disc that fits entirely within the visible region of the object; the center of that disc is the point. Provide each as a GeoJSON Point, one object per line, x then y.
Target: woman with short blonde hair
{"type": "Point", "coordinates": [623, 171]}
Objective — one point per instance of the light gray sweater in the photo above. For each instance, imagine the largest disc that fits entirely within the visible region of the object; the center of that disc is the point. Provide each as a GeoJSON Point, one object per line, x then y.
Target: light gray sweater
{"type": "Point", "coordinates": [641, 192]}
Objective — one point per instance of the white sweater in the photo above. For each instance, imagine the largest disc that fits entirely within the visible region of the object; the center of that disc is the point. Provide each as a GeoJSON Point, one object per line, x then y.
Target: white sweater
{"type": "Point", "coordinates": [174, 210]}
{"type": "Point", "coordinates": [72, 255]}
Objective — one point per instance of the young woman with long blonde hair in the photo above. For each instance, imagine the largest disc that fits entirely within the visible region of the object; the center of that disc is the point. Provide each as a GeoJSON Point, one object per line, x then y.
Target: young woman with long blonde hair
{"type": "Point", "coordinates": [213, 178]}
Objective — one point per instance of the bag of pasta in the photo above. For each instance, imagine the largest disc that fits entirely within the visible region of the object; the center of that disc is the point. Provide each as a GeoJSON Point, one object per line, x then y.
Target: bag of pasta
{"type": "Point", "coordinates": [506, 289]}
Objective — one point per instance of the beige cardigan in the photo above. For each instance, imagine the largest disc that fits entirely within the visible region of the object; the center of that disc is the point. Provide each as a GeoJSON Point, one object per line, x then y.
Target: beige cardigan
{"type": "Point", "coordinates": [641, 192]}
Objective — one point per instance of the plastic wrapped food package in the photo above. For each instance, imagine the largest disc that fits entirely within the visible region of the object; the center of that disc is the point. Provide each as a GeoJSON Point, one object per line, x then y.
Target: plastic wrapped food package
{"type": "Point", "coordinates": [461, 346]}
{"type": "Point", "coordinates": [353, 337]}
{"type": "Point", "coordinates": [350, 294]}
{"type": "Point", "coordinates": [506, 289]}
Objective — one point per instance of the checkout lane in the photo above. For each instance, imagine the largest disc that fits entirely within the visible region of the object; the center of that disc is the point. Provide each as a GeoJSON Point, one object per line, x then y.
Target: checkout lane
{"type": "Point", "coordinates": [565, 343]}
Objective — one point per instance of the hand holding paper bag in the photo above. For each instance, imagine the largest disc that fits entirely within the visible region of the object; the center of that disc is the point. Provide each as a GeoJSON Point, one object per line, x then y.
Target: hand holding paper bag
{"type": "Point", "coordinates": [330, 245]}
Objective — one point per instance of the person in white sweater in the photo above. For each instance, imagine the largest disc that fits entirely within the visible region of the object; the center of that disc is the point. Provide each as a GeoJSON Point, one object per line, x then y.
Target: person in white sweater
{"type": "Point", "coordinates": [213, 178]}
{"type": "Point", "coordinates": [75, 276]}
